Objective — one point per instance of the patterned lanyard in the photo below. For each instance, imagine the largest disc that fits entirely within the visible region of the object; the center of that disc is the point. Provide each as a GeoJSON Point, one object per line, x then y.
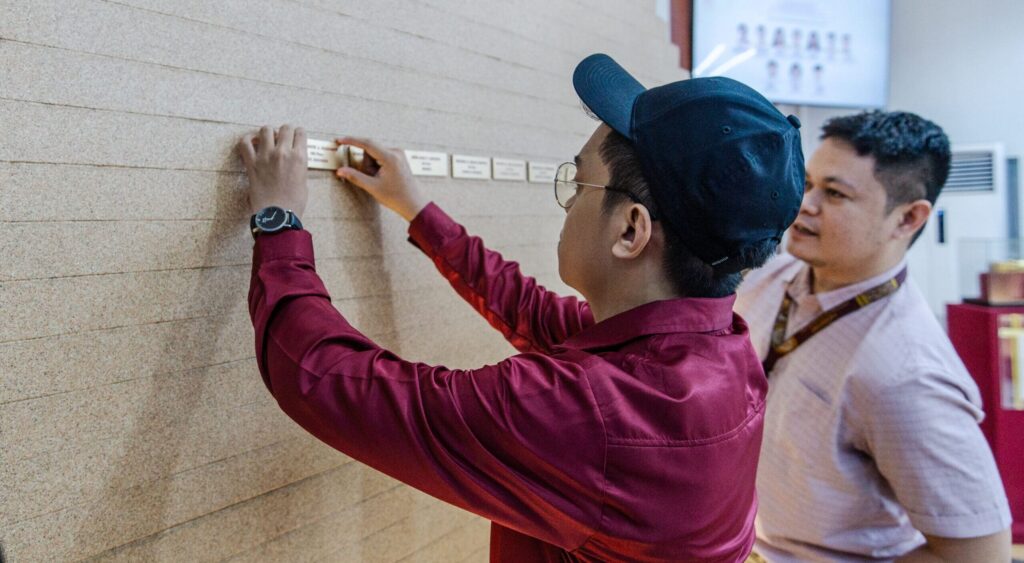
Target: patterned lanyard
{"type": "Point", "coordinates": [781, 345]}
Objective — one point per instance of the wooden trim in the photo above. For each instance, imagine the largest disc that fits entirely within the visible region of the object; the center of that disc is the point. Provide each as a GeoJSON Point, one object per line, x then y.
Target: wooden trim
{"type": "Point", "coordinates": [681, 22]}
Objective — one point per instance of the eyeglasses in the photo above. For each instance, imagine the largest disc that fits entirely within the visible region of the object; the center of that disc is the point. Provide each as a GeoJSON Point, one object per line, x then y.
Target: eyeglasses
{"type": "Point", "coordinates": [566, 187]}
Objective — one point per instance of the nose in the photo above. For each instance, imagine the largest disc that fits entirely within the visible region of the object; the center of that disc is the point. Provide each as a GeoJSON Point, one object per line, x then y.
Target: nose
{"type": "Point", "coordinates": [810, 204]}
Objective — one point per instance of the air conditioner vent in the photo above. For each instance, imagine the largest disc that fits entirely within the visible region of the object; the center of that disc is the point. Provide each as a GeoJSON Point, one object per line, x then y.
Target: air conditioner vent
{"type": "Point", "coordinates": [972, 170]}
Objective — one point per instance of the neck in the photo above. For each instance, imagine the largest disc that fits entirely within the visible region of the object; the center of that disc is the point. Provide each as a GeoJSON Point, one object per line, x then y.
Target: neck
{"type": "Point", "coordinates": [609, 303]}
{"type": "Point", "coordinates": [826, 278]}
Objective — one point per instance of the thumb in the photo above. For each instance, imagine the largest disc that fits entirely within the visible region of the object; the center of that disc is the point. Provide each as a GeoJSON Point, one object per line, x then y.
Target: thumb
{"type": "Point", "coordinates": [357, 178]}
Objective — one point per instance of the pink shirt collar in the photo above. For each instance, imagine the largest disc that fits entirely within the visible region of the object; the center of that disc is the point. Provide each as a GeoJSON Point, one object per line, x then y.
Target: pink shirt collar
{"type": "Point", "coordinates": [799, 286]}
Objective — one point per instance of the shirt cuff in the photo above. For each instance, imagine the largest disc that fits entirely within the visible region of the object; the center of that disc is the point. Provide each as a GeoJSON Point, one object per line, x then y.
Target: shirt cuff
{"type": "Point", "coordinates": [292, 244]}
{"type": "Point", "coordinates": [432, 228]}
{"type": "Point", "coordinates": [963, 525]}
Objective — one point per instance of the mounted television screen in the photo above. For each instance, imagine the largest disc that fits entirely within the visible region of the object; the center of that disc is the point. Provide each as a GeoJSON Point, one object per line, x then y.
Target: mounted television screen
{"type": "Point", "coordinates": [813, 52]}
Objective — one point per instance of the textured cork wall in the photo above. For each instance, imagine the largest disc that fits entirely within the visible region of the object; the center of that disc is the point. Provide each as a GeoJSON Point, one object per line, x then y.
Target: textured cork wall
{"type": "Point", "coordinates": [133, 422]}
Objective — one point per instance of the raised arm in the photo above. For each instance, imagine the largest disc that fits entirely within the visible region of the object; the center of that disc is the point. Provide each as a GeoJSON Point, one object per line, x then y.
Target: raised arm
{"type": "Point", "coordinates": [505, 442]}
{"type": "Point", "coordinates": [530, 317]}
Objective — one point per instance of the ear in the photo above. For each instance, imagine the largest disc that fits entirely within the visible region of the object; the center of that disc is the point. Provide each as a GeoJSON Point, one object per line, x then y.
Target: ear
{"type": "Point", "coordinates": [912, 217]}
{"type": "Point", "coordinates": [635, 231]}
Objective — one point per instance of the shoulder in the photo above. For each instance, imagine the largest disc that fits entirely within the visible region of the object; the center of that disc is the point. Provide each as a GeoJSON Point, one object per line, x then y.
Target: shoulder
{"type": "Point", "coordinates": [782, 266]}
{"type": "Point", "coordinates": [906, 358]}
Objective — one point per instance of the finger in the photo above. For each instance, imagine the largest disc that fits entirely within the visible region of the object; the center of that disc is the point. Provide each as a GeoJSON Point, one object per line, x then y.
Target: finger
{"type": "Point", "coordinates": [300, 142]}
{"type": "Point", "coordinates": [266, 138]}
{"type": "Point", "coordinates": [370, 166]}
{"type": "Point", "coordinates": [285, 136]}
{"type": "Point", "coordinates": [246, 150]}
{"type": "Point", "coordinates": [379, 153]}
{"type": "Point", "coordinates": [357, 178]}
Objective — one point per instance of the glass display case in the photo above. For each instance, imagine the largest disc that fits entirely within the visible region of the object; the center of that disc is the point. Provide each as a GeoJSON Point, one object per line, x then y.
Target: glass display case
{"type": "Point", "coordinates": [1011, 361]}
{"type": "Point", "coordinates": [992, 271]}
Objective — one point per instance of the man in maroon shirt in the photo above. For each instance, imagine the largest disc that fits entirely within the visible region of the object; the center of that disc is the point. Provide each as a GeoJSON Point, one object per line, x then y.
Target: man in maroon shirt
{"type": "Point", "coordinates": [628, 426]}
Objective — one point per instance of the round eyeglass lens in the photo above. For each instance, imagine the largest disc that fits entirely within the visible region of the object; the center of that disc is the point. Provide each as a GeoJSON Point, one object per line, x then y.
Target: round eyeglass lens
{"type": "Point", "coordinates": [565, 183]}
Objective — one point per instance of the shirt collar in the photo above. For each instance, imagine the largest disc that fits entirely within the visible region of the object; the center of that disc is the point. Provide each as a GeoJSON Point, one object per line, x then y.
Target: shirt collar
{"type": "Point", "coordinates": [799, 285]}
{"type": "Point", "coordinates": [688, 314]}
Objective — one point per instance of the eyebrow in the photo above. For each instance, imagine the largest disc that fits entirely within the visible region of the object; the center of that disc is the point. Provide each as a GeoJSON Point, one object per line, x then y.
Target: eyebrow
{"type": "Point", "coordinates": [841, 181]}
{"type": "Point", "coordinates": [834, 180]}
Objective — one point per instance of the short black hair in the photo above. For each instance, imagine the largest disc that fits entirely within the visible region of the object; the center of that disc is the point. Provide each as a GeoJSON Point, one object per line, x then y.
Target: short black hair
{"type": "Point", "coordinates": [912, 154]}
{"type": "Point", "coordinates": [689, 275]}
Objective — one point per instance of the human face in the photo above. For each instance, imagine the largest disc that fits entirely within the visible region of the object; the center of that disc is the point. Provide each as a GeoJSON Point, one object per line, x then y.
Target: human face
{"type": "Point", "coordinates": [583, 252]}
{"type": "Point", "coordinates": [842, 229]}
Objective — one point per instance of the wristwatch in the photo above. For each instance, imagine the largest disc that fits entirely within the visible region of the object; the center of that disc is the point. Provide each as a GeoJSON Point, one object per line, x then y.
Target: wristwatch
{"type": "Point", "coordinates": [273, 220]}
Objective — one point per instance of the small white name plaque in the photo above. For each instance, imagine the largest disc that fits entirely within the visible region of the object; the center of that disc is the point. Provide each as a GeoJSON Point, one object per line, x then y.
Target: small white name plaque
{"type": "Point", "coordinates": [509, 169]}
{"type": "Point", "coordinates": [425, 163]}
{"type": "Point", "coordinates": [542, 172]}
{"type": "Point", "coordinates": [322, 155]}
{"type": "Point", "coordinates": [471, 167]}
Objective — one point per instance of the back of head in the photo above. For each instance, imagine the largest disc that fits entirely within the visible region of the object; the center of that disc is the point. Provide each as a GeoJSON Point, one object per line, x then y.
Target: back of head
{"type": "Point", "coordinates": [689, 275]}
{"type": "Point", "coordinates": [715, 161]}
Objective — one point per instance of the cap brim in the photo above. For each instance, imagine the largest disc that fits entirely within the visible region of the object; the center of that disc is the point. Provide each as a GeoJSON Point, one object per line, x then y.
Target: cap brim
{"type": "Point", "coordinates": [608, 91]}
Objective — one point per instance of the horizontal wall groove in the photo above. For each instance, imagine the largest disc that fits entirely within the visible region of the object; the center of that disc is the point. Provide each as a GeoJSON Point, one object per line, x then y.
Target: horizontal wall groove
{"type": "Point", "coordinates": [369, 22]}
{"type": "Point", "coordinates": [232, 506]}
{"type": "Point", "coordinates": [244, 265]}
{"type": "Point", "coordinates": [312, 133]}
{"type": "Point", "coordinates": [343, 96]}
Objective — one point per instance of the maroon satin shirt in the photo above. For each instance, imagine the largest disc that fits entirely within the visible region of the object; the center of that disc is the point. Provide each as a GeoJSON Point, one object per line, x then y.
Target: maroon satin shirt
{"type": "Point", "coordinates": [633, 439]}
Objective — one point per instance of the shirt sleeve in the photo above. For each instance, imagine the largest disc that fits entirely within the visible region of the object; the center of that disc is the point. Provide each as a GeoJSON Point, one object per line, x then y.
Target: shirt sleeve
{"type": "Point", "coordinates": [520, 442]}
{"type": "Point", "coordinates": [922, 432]}
{"type": "Point", "coordinates": [530, 317]}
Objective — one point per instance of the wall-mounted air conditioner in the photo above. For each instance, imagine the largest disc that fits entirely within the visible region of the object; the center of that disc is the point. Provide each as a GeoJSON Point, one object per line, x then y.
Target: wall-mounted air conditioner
{"type": "Point", "coordinates": [973, 204]}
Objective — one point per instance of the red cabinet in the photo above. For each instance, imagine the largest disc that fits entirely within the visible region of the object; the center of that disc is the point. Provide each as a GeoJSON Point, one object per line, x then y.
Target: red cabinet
{"type": "Point", "coordinates": [987, 340]}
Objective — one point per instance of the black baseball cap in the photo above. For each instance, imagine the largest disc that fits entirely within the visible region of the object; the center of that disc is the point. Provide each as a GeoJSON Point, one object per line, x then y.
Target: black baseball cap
{"type": "Point", "coordinates": [724, 166]}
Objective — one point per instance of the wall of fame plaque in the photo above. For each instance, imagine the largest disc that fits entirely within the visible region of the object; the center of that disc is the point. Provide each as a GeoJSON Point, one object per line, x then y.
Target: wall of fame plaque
{"type": "Point", "coordinates": [471, 167]}
{"type": "Point", "coordinates": [509, 169]}
{"type": "Point", "coordinates": [427, 163]}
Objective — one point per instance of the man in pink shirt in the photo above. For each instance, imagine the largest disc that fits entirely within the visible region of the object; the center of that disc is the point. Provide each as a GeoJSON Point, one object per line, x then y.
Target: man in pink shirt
{"type": "Point", "coordinates": [628, 427]}
{"type": "Point", "coordinates": [872, 450]}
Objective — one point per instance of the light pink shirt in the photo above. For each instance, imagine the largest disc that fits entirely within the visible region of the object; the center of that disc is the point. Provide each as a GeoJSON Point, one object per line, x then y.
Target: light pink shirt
{"type": "Point", "coordinates": [871, 432]}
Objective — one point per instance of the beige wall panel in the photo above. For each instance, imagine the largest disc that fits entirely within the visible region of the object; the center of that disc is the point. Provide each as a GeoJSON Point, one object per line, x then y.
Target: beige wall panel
{"type": "Point", "coordinates": [453, 546]}
{"type": "Point", "coordinates": [420, 527]}
{"type": "Point", "coordinates": [60, 76]}
{"type": "Point", "coordinates": [314, 540]}
{"type": "Point", "coordinates": [38, 308]}
{"type": "Point", "coordinates": [192, 144]}
{"type": "Point", "coordinates": [76, 533]}
{"type": "Point", "coordinates": [48, 365]}
{"type": "Point", "coordinates": [339, 537]}
{"type": "Point", "coordinates": [479, 555]}
{"type": "Point", "coordinates": [134, 424]}
{"type": "Point", "coordinates": [68, 192]}
{"type": "Point", "coordinates": [198, 490]}
{"type": "Point", "coordinates": [297, 34]}
{"type": "Point", "coordinates": [60, 364]}
{"type": "Point", "coordinates": [389, 21]}
{"type": "Point", "coordinates": [70, 248]}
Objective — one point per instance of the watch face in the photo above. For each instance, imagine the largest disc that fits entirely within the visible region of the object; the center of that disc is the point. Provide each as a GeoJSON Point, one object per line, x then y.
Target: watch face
{"type": "Point", "coordinates": [271, 219]}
